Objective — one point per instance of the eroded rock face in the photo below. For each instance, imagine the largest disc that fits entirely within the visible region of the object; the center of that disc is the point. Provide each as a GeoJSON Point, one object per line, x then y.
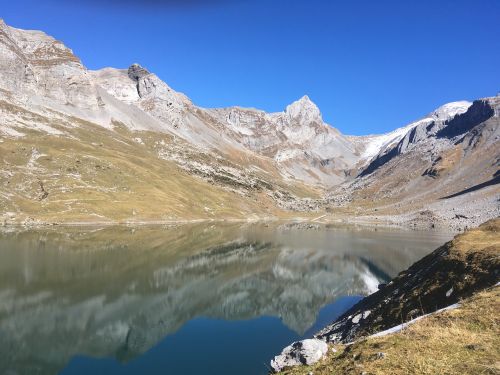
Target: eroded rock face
{"type": "Point", "coordinates": [34, 64]}
{"type": "Point", "coordinates": [305, 352]}
{"type": "Point", "coordinates": [304, 110]}
{"type": "Point", "coordinates": [12, 59]}
{"type": "Point", "coordinates": [136, 72]}
{"type": "Point", "coordinates": [437, 131]}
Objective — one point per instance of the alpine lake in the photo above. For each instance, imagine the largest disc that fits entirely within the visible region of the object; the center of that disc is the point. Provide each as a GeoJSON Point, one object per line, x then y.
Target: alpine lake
{"type": "Point", "coordinates": [206, 298]}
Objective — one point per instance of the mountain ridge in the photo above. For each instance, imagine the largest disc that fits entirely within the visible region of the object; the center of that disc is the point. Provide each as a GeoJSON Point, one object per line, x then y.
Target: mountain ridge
{"type": "Point", "coordinates": [270, 163]}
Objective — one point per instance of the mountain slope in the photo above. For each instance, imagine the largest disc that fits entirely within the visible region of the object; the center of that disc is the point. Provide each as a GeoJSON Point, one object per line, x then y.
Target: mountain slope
{"type": "Point", "coordinates": [121, 145]}
{"type": "Point", "coordinates": [459, 269]}
{"type": "Point", "coordinates": [373, 145]}
{"type": "Point", "coordinates": [296, 140]}
{"type": "Point", "coordinates": [439, 170]}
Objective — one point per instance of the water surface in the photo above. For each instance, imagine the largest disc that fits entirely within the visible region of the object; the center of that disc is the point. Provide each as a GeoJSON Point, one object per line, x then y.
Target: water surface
{"type": "Point", "coordinates": [191, 299]}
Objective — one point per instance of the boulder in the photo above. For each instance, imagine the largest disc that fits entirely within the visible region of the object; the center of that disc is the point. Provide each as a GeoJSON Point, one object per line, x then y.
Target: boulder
{"type": "Point", "coordinates": [305, 352]}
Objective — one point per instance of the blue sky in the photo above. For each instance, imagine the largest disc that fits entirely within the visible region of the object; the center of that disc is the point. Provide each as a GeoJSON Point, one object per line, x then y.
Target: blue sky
{"type": "Point", "coordinates": [370, 66]}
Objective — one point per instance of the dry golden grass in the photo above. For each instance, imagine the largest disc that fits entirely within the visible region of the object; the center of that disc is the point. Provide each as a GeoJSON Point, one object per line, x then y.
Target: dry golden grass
{"type": "Point", "coordinates": [449, 159]}
{"type": "Point", "coordinates": [484, 239]}
{"type": "Point", "coordinates": [97, 175]}
{"type": "Point", "coordinates": [456, 342]}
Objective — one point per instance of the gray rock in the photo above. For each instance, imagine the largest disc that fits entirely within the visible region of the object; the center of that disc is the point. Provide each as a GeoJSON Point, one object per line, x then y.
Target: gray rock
{"type": "Point", "coordinates": [305, 352]}
{"type": "Point", "coordinates": [136, 72]}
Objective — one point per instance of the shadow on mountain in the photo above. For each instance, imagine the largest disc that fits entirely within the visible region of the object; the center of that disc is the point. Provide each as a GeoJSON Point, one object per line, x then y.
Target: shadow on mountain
{"type": "Point", "coordinates": [494, 181]}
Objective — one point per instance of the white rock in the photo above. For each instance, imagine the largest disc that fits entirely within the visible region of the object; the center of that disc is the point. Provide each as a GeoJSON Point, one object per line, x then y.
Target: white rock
{"type": "Point", "coordinates": [400, 327]}
{"type": "Point", "coordinates": [357, 318]}
{"type": "Point", "coordinates": [305, 352]}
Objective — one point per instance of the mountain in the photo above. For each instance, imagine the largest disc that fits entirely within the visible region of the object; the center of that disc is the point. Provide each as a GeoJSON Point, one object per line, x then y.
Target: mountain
{"type": "Point", "coordinates": [297, 140]}
{"type": "Point", "coordinates": [120, 145]}
{"type": "Point", "coordinates": [445, 166]}
{"type": "Point", "coordinates": [372, 145]}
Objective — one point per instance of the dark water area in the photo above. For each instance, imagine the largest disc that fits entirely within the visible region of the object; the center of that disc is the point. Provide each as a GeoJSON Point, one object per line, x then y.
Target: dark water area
{"type": "Point", "coordinates": [190, 299]}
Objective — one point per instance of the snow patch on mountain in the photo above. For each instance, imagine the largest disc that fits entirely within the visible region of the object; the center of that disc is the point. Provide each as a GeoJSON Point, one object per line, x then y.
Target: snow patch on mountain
{"type": "Point", "coordinates": [374, 144]}
{"type": "Point", "coordinates": [450, 110]}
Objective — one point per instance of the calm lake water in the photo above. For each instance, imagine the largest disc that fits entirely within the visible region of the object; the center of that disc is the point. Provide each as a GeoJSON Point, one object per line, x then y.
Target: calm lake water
{"type": "Point", "coordinates": [191, 299]}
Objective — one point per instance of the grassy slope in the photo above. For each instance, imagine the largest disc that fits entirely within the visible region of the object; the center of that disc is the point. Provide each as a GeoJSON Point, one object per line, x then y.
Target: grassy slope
{"type": "Point", "coordinates": [93, 174]}
{"type": "Point", "coordinates": [464, 341]}
{"type": "Point", "coordinates": [456, 342]}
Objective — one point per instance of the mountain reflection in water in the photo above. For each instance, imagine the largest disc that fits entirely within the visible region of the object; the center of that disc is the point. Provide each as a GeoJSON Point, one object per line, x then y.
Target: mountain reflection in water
{"type": "Point", "coordinates": [117, 292]}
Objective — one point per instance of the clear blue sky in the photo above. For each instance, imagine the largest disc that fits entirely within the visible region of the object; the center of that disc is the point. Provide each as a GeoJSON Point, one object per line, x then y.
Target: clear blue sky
{"type": "Point", "coordinates": [371, 66]}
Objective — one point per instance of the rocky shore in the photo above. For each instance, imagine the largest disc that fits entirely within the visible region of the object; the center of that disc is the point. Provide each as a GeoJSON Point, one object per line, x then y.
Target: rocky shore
{"type": "Point", "coordinates": [455, 271]}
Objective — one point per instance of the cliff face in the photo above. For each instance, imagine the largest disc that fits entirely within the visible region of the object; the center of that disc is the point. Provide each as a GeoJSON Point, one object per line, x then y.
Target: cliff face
{"type": "Point", "coordinates": [432, 135]}
{"type": "Point", "coordinates": [33, 64]}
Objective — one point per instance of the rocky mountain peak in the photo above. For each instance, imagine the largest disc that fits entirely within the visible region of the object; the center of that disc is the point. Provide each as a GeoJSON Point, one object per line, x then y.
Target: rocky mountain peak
{"type": "Point", "coordinates": [3, 26]}
{"type": "Point", "coordinates": [136, 72]}
{"type": "Point", "coordinates": [304, 110]}
{"type": "Point", "coordinates": [36, 65]}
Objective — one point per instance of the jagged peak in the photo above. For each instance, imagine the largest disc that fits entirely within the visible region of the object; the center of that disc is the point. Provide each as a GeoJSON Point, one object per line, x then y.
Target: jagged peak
{"type": "Point", "coordinates": [304, 101]}
{"type": "Point", "coordinates": [136, 72]}
{"type": "Point", "coordinates": [3, 24]}
{"type": "Point", "coordinates": [304, 109]}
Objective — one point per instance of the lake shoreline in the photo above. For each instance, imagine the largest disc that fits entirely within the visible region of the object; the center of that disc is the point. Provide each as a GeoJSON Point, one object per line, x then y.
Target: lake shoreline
{"type": "Point", "coordinates": [457, 270]}
{"type": "Point", "coordinates": [365, 221]}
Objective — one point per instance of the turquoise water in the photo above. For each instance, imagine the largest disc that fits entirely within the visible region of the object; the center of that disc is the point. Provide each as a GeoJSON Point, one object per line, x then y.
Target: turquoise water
{"type": "Point", "coordinates": [193, 299]}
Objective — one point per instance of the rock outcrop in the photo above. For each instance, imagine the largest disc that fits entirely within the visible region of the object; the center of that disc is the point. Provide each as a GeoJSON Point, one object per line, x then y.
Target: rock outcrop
{"type": "Point", "coordinates": [304, 352]}
{"type": "Point", "coordinates": [136, 72]}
